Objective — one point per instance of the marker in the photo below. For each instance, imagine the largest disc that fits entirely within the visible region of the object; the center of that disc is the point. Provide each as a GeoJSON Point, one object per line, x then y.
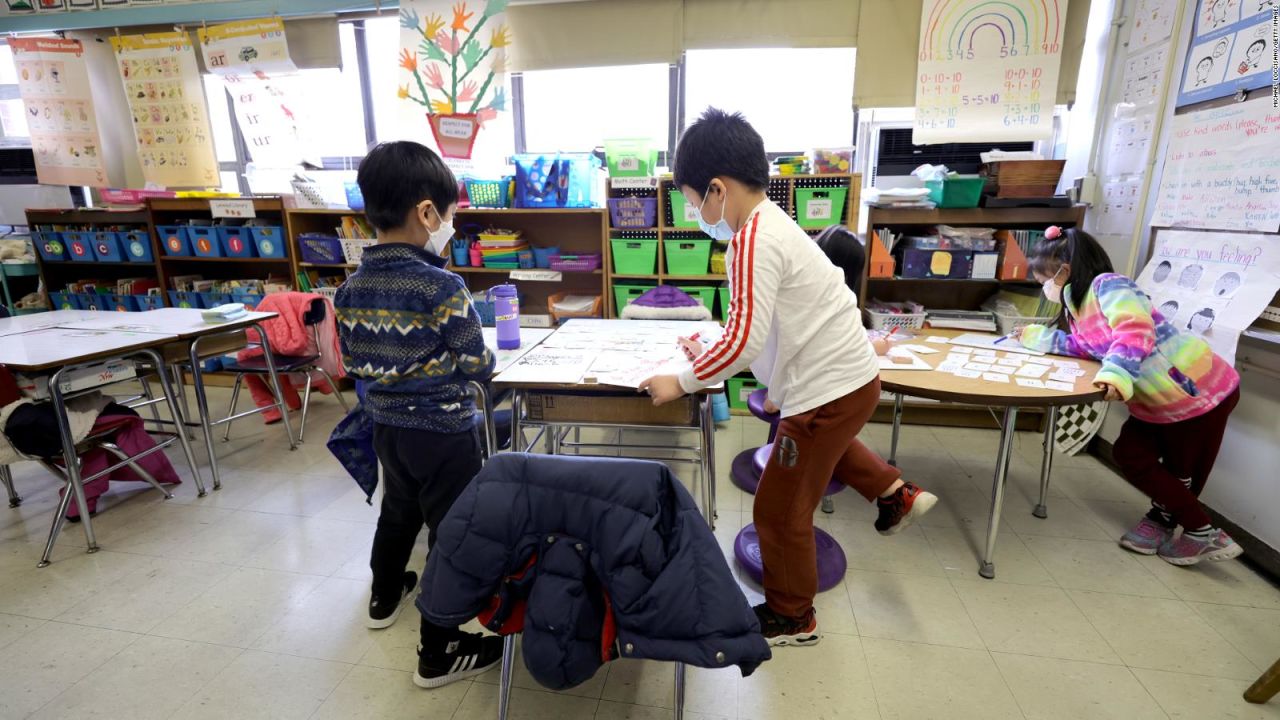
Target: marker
{"type": "Point", "coordinates": [891, 332]}
{"type": "Point", "coordinates": [1002, 338]}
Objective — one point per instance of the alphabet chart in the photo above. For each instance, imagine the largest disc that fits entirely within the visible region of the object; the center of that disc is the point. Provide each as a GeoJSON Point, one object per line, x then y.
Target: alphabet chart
{"type": "Point", "coordinates": [166, 99]}
{"type": "Point", "coordinates": [987, 70]}
{"type": "Point", "coordinates": [54, 84]}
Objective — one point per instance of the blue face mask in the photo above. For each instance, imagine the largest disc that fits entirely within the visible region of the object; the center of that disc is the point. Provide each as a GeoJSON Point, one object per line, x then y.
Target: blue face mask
{"type": "Point", "coordinates": [721, 231]}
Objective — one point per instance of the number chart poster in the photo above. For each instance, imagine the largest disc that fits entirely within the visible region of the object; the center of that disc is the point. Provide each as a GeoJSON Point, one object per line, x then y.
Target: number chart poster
{"type": "Point", "coordinates": [988, 70]}
{"type": "Point", "coordinates": [252, 58]}
{"type": "Point", "coordinates": [54, 84]}
{"type": "Point", "coordinates": [1232, 49]}
{"type": "Point", "coordinates": [1222, 171]}
{"type": "Point", "coordinates": [166, 99]}
{"type": "Point", "coordinates": [1212, 284]}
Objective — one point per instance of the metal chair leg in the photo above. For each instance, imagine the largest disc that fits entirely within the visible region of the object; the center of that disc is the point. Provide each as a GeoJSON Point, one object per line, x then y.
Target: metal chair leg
{"type": "Point", "coordinates": [337, 393]}
{"type": "Point", "coordinates": [235, 398]}
{"type": "Point", "coordinates": [678, 705]}
{"type": "Point", "coordinates": [306, 405]}
{"type": "Point", "coordinates": [1041, 509]}
{"type": "Point", "coordinates": [146, 393]}
{"type": "Point", "coordinates": [508, 674]}
{"type": "Point", "coordinates": [6, 478]}
{"type": "Point", "coordinates": [59, 515]}
{"type": "Point", "coordinates": [142, 473]}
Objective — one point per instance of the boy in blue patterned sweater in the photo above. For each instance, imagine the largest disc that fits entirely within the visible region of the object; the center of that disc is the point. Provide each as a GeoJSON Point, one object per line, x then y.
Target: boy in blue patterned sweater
{"type": "Point", "coordinates": [409, 331]}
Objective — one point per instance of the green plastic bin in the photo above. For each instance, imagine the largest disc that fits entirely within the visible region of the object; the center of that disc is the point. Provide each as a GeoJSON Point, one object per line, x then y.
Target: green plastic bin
{"type": "Point", "coordinates": [820, 207]}
{"type": "Point", "coordinates": [631, 157]}
{"type": "Point", "coordinates": [687, 256]}
{"type": "Point", "coordinates": [634, 257]}
{"type": "Point", "coordinates": [683, 215]}
{"type": "Point", "coordinates": [705, 293]}
{"type": "Point", "coordinates": [956, 192]}
{"type": "Point", "coordinates": [625, 293]}
{"type": "Point", "coordinates": [724, 303]}
{"type": "Point", "coordinates": [740, 389]}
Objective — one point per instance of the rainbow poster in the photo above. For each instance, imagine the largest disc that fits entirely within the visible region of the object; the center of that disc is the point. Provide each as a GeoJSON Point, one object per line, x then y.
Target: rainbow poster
{"type": "Point", "coordinates": [988, 70]}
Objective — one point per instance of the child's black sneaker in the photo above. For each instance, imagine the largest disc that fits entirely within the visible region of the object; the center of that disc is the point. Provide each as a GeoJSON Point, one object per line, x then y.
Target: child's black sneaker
{"type": "Point", "coordinates": [383, 611]}
{"type": "Point", "coordinates": [468, 655]}
{"type": "Point", "coordinates": [908, 504]}
{"type": "Point", "coordinates": [782, 630]}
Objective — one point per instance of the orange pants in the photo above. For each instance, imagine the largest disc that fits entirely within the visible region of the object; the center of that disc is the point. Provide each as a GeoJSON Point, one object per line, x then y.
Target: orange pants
{"type": "Point", "coordinates": [808, 451]}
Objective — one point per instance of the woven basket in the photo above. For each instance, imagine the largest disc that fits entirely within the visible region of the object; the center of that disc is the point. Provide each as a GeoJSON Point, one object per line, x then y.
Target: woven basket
{"type": "Point", "coordinates": [1024, 178]}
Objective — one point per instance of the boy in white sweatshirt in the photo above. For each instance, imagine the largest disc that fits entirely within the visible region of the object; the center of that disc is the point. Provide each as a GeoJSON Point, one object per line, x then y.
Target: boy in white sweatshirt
{"type": "Point", "coordinates": [797, 325]}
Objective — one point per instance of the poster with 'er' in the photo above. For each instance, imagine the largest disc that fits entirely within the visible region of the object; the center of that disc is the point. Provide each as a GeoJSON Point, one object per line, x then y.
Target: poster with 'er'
{"type": "Point", "coordinates": [166, 100]}
{"type": "Point", "coordinates": [54, 84]}
{"type": "Point", "coordinates": [988, 71]}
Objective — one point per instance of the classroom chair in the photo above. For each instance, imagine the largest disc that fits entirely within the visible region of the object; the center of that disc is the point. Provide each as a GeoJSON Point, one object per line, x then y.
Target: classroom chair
{"type": "Point", "coordinates": [1264, 688]}
{"type": "Point", "coordinates": [305, 364]}
{"type": "Point", "coordinates": [6, 479]}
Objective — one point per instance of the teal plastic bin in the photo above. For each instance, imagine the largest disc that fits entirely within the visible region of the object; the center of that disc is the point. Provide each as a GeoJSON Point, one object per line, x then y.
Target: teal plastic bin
{"type": "Point", "coordinates": [956, 192]}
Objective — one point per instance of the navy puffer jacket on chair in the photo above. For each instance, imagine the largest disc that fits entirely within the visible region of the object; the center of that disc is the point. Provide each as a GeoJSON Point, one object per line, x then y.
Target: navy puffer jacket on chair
{"type": "Point", "coordinates": [592, 558]}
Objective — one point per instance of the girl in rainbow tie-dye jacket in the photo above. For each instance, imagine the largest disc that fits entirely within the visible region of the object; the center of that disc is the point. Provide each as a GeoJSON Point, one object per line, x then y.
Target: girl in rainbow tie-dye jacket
{"type": "Point", "coordinates": [1179, 392]}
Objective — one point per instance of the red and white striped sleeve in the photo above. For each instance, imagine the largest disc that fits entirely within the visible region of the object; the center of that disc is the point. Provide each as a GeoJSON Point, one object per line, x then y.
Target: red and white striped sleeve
{"type": "Point", "coordinates": [754, 277]}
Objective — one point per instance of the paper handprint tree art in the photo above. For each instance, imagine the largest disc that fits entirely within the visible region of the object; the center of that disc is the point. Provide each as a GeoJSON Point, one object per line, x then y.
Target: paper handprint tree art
{"type": "Point", "coordinates": [456, 60]}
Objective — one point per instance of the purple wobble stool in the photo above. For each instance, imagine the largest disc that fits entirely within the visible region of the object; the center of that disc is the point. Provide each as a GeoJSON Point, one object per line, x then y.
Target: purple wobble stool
{"type": "Point", "coordinates": [832, 562]}
{"type": "Point", "coordinates": [748, 466]}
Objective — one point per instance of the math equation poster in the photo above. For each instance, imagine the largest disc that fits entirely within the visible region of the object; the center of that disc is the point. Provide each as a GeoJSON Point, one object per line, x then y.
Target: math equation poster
{"type": "Point", "coordinates": [988, 70]}
{"type": "Point", "coordinates": [166, 100]}
{"type": "Point", "coordinates": [54, 84]}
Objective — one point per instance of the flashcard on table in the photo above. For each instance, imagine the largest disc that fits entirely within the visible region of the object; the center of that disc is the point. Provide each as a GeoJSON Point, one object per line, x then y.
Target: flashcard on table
{"type": "Point", "coordinates": [1063, 377]}
{"type": "Point", "coordinates": [1032, 371]}
{"type": "Point", "coordinates": [1029, 382]}
{"type": "Point", "coordinates": [1040, 361]}
{"type": "Point", "coordinates": [1055, 385]}
{"type": "Point", "coordinates": [920, 349]}
{"type": "Point", "coordinates": [968, 374]}
{"type": "Point", "coordinates": [978, 367]}
{"type": "Point", "coordinates": [985, 354]}
{"type": "Point", "coordinates": [958, 357]}
{"type": "Point", "coordinates": [995, 377]}
{"type": "Point", "coordinates": [949, 367]}
{"type": "Point", "coordinates": [937, 340]}
{"type": "Point", "coordinates": [961, 350]}
{"type": "Point", "coordinates": [1001, 369]}
{"type": "Point", "coordinates": [1066, 363]}
{"type": "Point", "coordinates": [1009, 362]}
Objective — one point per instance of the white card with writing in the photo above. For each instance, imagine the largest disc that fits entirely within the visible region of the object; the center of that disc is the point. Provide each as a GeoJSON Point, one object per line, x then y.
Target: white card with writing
{"type": "Point", "coordinates": [1040, 361]}
{"type": "Point", "coordinates": [1063, 377]}
{"type": "Point", "coordinates": [937, 339]}
{"type": "Point", "coordinates": [949, 367]}
{"type": "Point", "coordinates": [919, 349]}
{"type": "Point", "coordinates": [1032, 371]}
{"type": "Point", "coordinates": [1009, 361]}
{"type": "Point", "coordinates": [961, 350]}
{"type": "Point", "coordinates": [1002, 369]}
{"type": "Point", "coordinates": [1066, 363]}
{"type": "Point", "coordinates": [995, 377]}
{"type": "Point", "coordinates": [1055, 385]}
{"type": "Point", "coordinates": [1029, 382]}
{"type": "Point", "coordinates": [968, 374]}
{"type": "Point", "coordinates": [978, 367]}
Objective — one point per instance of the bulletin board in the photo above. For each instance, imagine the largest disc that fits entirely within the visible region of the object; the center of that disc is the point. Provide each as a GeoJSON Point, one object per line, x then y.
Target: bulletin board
{"type": "Point", "coordinates": [1231, 49]}
{"type": "Point", "coordinates": [988, 70]}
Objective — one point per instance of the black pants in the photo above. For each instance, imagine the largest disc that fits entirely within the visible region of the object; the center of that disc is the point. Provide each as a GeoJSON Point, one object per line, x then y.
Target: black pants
{"type": "Point", "coordinates": [423, 473]}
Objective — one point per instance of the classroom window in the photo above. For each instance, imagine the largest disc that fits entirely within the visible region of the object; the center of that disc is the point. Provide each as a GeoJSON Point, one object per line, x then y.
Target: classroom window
{"type": "Point", "coordinates": [577, 109]}
{"type": "Point", "coordinates": [13, 119]}
{"type": "Point", "coordinates": [796, 98]}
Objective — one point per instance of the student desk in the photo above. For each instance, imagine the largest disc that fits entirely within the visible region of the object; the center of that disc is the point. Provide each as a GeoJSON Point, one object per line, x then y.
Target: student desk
{"type": "Point", "coordinates": [56, 352]}
{"type": "Point", "coordinates": [190, 340]}
{"type": "Point", "coordinates": [40, 321]}
{"type": "Point", "coordinates": [554, 404]}
{"type": "Point", "coordinates": [1010, 396]}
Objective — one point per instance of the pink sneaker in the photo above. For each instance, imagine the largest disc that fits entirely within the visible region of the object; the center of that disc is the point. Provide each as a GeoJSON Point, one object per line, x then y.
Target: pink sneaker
{"type": "Point", "coordinates": [1146, 537]}
{"type": "Point", "coordinates": [1187, 550]}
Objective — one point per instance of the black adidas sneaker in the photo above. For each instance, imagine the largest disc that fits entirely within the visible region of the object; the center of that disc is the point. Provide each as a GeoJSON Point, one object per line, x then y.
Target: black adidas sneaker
{"type": "Point", "coordinates": [467, 656]}
{"type": "Point", "coordinates": [383, 611]}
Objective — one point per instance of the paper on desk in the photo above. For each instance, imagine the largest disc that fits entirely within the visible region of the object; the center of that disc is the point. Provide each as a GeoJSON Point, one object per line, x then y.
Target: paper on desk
{"type": "Point", "coordinates": [1029, 382]}
{"type": "Point", "coordinates": [1001, 369]}
{"type": "Point", "coordinates": [1063, 377]}
{"type": "Point", "coordinates": [1055, 385]}
{"type": "Point", "coordinates": [549, 365]}
{"type": "Point", "coordinates": [1066, 363]}
{"type": "Point", "coordinates": [961, 350]}
{"type": "Point", "coordinates": [978, 367]}
{"type": "Point", "coordinates": [949, 367]}
{"type": "Point", "coordinates": [968, 374]}
{"type": "Point", "coordinates": [919, 349]}
{"type": "Point", "coordinates": [625, 369]}
{"type": "Point", "coordinates": [995, 377]}
{"type": "Point", "coordinates": [887, 363]}
{"type": "Point", "coordinates": [936, 339]}
{"type": "Point", "coordinates": [1039, 361]}
{"type": "Point", "coordinates": [1009, 362]}
{"type": "Point", "coordinates": [1032, 371]}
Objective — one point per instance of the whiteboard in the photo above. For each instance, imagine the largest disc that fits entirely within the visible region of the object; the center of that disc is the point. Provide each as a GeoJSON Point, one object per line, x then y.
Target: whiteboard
{"type": "Point", "coordinates": [987, 70]}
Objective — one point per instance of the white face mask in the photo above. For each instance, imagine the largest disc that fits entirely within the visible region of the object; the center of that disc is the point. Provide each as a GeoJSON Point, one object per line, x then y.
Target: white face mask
{"type": "Point", "coordinates": [438, 239]}
{"type": "Point", "coordinates": [720, 231]}
{"type": "Point", "coordinates": [1052, 290]}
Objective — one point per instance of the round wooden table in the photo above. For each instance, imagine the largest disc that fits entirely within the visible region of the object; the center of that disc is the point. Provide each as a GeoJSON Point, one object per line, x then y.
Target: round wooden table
{"type": "Point", "coordinates": [946, 387]}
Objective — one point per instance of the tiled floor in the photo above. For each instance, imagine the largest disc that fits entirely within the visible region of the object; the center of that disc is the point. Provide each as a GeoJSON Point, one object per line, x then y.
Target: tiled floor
{"type": "Point", "coordinates": [248, 603]}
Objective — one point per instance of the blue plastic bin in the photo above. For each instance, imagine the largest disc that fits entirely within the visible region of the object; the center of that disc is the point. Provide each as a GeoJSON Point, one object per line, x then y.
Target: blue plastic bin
{"type": "Point", "coordinates": [174, 240]}
{"type": "Point", "coordinates": [63, 301]}
{"type": "Point", "coordinates": [250, 300]}
{"type": "Point", "coordinates": [566, 180]}
{"type": "Point", "coordinates": [106, 247]}
{"type": "Point", "coordinates": [185, 300]}
{"type": "Point", "coordinates": [270, 241]}
{"type": "Point", "coordinates": [542, 256]}
{"type": "Point", "coordinates": [237, 242]}
{"type": "Point", "coordinates": [213, 300]}
{"type": "Point", "coordinates": [149, 302]}
{"type": "Point", "coordinates": [136, 245]}
{"type": "Point", "coordinates": [51, 246]}
{"type": "Point", "coordinates": [204, 241]}
{"type": "Point", "coordinates": [80, 245]}
{"type": "Point", "coordinates": [121, 303]}
{"type": "Point", "coordinates": [94, 301]}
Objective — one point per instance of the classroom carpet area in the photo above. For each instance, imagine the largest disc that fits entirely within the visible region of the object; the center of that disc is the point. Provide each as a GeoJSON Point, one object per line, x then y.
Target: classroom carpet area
{"type": "Point", "coordinates": [250, 603]}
